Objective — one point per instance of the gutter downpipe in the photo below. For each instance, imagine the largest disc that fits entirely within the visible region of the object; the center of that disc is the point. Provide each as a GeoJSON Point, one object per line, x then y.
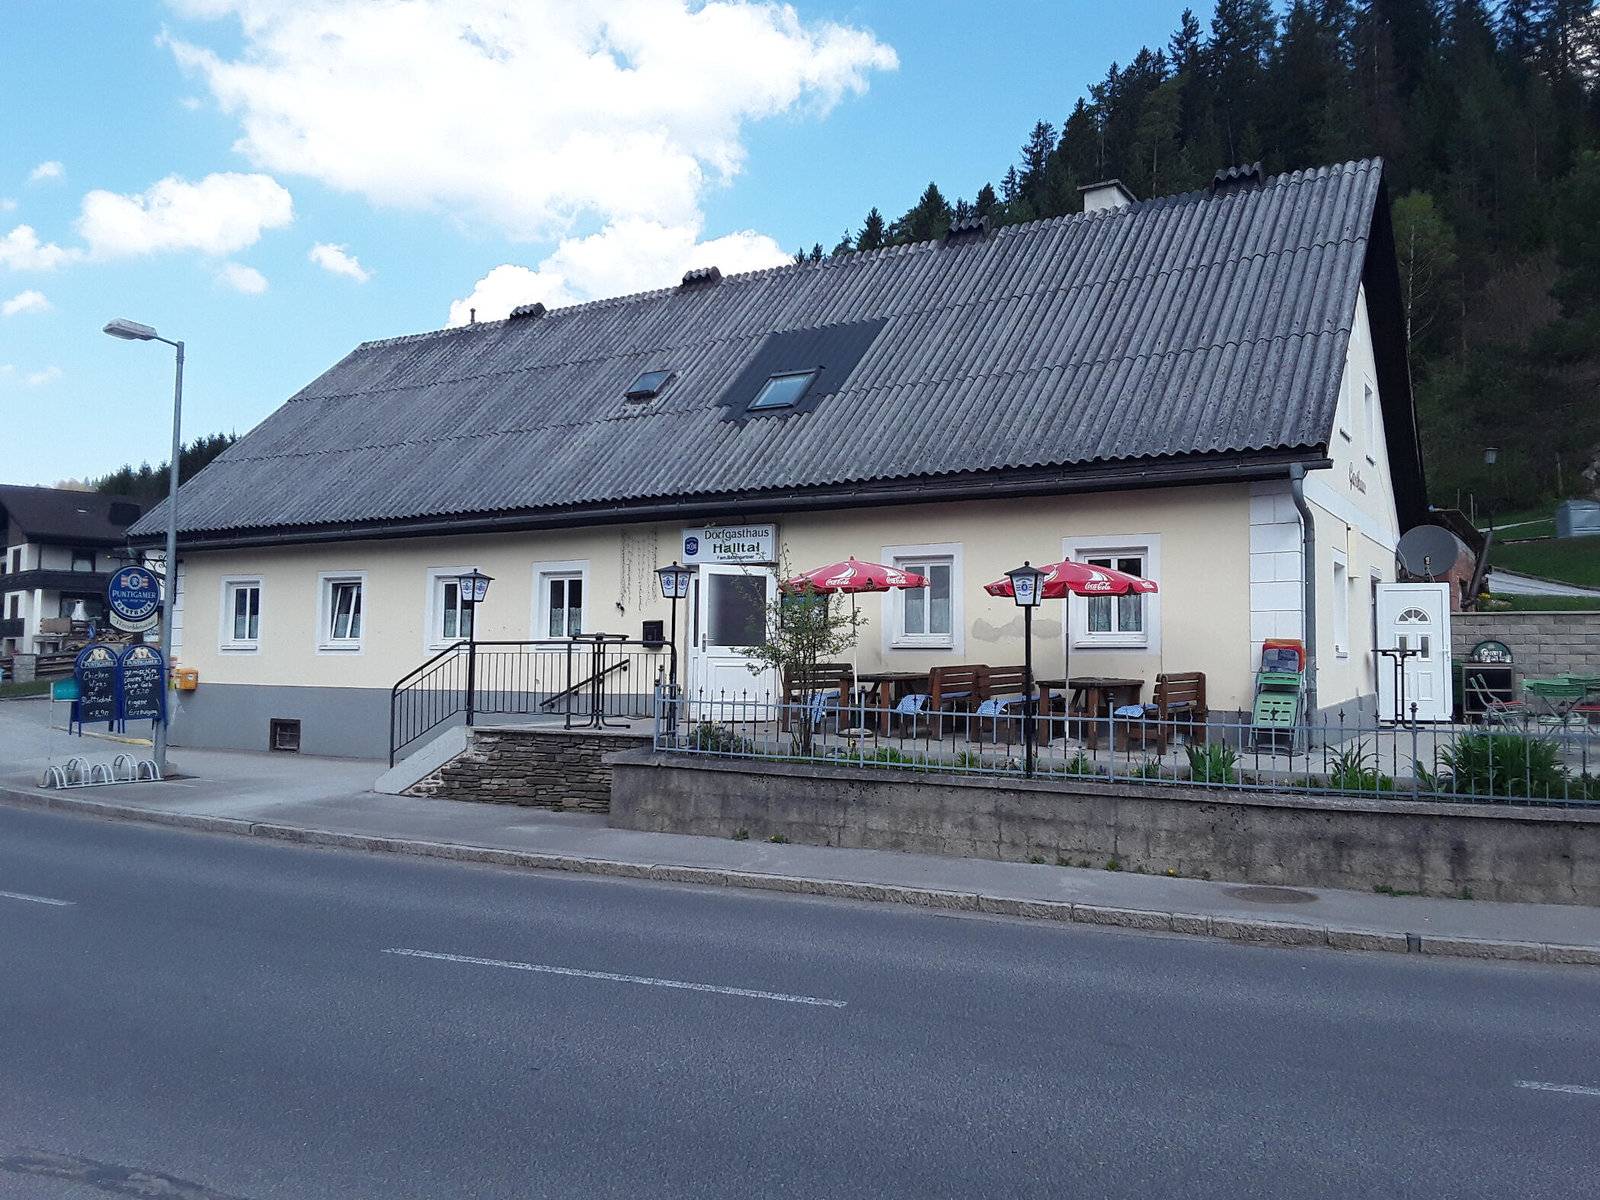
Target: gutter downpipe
{"type": "Point", "coordinates": [1308, 576]}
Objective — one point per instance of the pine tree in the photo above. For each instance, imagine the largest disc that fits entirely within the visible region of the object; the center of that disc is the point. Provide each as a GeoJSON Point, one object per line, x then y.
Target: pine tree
{"type": "Point", "coordinates": [872, 235]}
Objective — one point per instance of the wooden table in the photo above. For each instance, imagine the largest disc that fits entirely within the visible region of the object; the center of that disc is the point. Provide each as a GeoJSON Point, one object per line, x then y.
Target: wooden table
{"type": "Point", "coordinates": [890, 686]}
{"type": "Point", "coordinates": [1100, 694]}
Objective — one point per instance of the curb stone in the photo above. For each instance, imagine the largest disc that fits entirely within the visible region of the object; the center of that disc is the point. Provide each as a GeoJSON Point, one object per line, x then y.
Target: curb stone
{"type": "Point", "coordinates": [1235, 929]}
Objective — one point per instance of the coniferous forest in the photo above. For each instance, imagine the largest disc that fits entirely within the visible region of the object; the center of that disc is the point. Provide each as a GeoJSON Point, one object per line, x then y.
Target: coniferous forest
{"type": "Point", "coordinates": [1488, 120]}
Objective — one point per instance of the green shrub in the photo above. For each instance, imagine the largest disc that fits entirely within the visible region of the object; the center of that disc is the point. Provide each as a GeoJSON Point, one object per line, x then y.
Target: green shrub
{"type": "Point", "coordinates": [1079, 764]}
{"type": "Point", "coordinates": [1150, 768]}
{"type": "Point", "coordinates": [714, 738]}
{"type": "Point", "coordinates": [1353, 769]}
{"type": "Point", "coordinates": [1214, 762]}
{"type": "Point", "coordinates": [1502, 764]}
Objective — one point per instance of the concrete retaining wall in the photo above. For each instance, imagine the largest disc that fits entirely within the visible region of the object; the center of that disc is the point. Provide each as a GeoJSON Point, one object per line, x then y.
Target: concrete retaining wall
{"type": "Point", "coordinates": [535, 767]}
{"type": "Point", "coordinates": [1489, 852]}
{"type": "Point", "coordinates": [1542, 643]}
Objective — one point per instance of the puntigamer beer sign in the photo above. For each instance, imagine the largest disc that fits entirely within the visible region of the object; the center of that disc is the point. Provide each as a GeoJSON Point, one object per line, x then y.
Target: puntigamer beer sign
{"type": "Point", "coordinates": [730, 544]}
{"type": "Point", "coordinates": [134, 594]}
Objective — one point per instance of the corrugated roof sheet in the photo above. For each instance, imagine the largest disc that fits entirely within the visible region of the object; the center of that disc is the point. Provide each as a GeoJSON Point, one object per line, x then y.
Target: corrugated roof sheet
{"type": "Point", "coordinates": [1183, 325]}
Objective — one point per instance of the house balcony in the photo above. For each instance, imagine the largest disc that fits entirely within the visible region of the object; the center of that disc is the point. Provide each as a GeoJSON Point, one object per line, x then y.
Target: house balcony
{"type": "Point", "coordinates": [56, 581]}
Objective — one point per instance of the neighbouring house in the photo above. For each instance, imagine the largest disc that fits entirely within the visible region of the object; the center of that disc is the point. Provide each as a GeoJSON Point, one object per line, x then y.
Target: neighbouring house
{"type": "Point", "coordinates": [1209, 390]}
{"type": "Point", "coordinates": [61, 549]}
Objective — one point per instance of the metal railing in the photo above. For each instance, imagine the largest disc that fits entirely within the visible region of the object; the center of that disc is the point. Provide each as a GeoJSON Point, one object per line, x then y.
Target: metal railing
{"type": "Point", "coordinates": [1549, 760]}
{"type": "Point", "coordinates": [591, 681]}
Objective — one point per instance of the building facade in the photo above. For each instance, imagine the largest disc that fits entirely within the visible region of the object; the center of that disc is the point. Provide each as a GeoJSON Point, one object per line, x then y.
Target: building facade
{"type": "Point", "coordinates": [1206, 390]}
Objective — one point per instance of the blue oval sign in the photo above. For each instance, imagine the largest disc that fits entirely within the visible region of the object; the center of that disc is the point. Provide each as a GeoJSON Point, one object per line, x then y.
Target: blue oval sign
{"type": "Point", "coordinates": [133, 593]}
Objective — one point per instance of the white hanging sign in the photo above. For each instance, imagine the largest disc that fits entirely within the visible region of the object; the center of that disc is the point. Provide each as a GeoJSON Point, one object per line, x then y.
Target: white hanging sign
{"type": "Point", "coordinates": [730, 544]}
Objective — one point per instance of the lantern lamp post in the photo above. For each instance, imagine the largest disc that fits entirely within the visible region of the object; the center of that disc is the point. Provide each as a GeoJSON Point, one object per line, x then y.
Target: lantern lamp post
{"type": "Point", "coordinates": [674, 587]}
{"type": "Point", "coordinates": [473, 586]}
{"type": "Point", "coordinates": [133, 331]}
{"type": "Point", "coordinates": [1026, 591]}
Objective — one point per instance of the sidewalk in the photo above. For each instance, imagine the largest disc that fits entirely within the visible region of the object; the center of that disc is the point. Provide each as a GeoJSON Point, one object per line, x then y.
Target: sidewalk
{"type": "Point", "coordinates": [329, 802]}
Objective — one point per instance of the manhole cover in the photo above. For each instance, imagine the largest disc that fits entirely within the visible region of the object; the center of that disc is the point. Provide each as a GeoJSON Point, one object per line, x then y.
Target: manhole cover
{"type": "Point", "coordinates": [1271, 895]}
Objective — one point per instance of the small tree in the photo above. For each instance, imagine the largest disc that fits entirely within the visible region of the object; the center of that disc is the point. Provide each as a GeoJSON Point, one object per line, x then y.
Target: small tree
{"type": "Point", "coordinates": [803, 630]}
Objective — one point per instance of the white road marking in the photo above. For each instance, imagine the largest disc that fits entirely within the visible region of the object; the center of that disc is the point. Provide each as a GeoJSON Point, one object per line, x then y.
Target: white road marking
{"type": "Point", "coordinates": [680, 984]}
{"type": "Point", "coordinates": [36, 899]}
{"type": "Point", "coordinates": [1571, 1088]}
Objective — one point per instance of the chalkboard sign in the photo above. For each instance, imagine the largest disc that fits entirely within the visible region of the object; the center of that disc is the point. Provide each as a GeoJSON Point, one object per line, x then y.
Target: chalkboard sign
{"type": "Point", "coordinates": [96, 670]}
{"type": "Point", "coordinates": [143, 697]}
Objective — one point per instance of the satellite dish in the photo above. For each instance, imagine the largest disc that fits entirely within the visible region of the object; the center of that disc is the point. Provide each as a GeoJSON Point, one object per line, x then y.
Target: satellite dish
{"type": "Point", "coordinates": [1430, 551]}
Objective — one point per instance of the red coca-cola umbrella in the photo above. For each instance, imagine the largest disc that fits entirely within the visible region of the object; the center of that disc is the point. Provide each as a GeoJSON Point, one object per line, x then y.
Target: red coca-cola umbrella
{"type": "Point", "coordinates": [1068, 578]}
{"type": "Point", "coordinates": [854, 576]}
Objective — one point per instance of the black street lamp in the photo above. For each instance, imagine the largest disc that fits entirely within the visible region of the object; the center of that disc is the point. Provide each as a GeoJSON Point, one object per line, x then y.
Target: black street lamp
{"type": "Point", "coordinates": [473, 586]}
{"type": "Point", "coordinates": [1491, 455]}
{"type": "Point", "coordinates": [1026, 591]}
{"type": "Point", "coordinates": [133, 331]}
{"type": "Point", "coordinates": [674, 586]}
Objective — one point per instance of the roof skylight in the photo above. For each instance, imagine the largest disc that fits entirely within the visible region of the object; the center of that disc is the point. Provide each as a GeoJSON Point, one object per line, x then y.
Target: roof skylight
{"type": "Point", "coordinates": [783, 391]}
{"type": "Point", "coordinates": [649, 385]}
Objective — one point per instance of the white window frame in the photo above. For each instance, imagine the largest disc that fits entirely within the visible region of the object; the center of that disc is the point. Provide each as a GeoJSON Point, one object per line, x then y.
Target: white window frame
{"type": "Point", "coordinates": [1369, 409]}
{"type": "Point", "coordinates": [895, 636]}
{"type": "Point", "coordinates": [326, 642]}
{"type": "Point", "coordinates": [1146, 546]}
{"type": "Point", "coordinates": [226, 641]}
{"type": "Point", "coordinates": [1341, 605]}
{"type": "Point", "coordinates": [1344, 406]}
{"type": "Point", "coordinates": [543, 572]}
{"type": "Point", "coordinates": [434, 638]}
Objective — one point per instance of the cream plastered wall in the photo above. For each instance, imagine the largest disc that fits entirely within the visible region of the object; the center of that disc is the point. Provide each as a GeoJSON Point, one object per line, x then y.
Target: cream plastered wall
{"type": "Point", "coordinates": [1198, 622]}
{"type": "Point", "coordinates": [1356, 525]}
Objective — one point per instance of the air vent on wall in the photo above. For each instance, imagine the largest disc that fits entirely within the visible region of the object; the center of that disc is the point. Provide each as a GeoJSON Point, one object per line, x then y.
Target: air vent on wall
{"type": "Point", "coordinates": [527, 310]}
{"type": "Point", "coordinates": [701, 277]}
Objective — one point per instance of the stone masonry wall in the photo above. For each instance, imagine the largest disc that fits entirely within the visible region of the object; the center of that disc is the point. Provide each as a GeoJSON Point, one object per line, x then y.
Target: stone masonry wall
{"type": "Point", "coordinates": [1490, 851]}
{"type": "Point", "coordinates": [1542, 643]}
{"type": "Point", "coordinates": [533, 767]}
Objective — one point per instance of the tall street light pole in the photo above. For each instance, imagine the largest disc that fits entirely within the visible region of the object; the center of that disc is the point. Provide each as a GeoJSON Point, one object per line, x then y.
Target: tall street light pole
{"type": "Point", "coordinates": [132, 331]}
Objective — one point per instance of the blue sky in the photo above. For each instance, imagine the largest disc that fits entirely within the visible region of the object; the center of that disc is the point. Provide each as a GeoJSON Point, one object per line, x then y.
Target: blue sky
{"type": "Point", "coordinates": [275, 181]}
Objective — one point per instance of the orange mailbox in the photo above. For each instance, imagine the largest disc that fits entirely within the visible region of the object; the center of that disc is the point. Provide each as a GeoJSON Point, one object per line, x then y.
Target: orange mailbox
{"type": "Point", "coordinates": [184, 679]}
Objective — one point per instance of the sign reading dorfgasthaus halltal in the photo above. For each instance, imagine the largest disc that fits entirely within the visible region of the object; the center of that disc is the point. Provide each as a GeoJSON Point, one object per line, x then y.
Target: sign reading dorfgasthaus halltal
{"type": "Point", "coordinates": [730, 544]}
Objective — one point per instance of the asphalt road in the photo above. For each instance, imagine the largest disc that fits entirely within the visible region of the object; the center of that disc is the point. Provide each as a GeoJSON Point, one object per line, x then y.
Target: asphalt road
{"type": "Point", "coordinates": [198, 1017]}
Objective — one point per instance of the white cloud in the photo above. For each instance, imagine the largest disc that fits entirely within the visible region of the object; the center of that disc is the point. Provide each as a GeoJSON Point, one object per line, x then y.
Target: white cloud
{"type": "Point", "coordinates": [21, 250]}
{"type": "Point", "coordinates": [630, 256]}
{"type": "Point", "coordinates": [46, 170]}
{"type": "Point", "coordinates": [25, 302]}
{"type": "Point", "coordinates": [7, 204]}
{"type": "Point", "coordinates": [242, 278]}
{"type": "Point", "coordinates": [333, 258]}
{"type": "Point", "coordinates": [220, 214]}
{"type": "Point", "coordinates": [522, 118]}
{"type": "Point", "coordinates": [48, 375]}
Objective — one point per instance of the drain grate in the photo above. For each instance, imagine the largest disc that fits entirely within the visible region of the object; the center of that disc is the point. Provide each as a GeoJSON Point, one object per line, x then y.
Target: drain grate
{"type": "Point", "coordinates": [1272, 895]}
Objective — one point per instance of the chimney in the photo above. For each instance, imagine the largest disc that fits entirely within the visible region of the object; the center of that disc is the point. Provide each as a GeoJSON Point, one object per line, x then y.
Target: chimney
{"type": "Point", "coordinates": [1108, 193]}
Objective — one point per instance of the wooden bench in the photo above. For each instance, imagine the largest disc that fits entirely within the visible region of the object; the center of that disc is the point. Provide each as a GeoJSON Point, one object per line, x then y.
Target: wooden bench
{"type": "Point", "coordinates": [1179, 702]}
{"type": "Point", "coordinates": [828, 686]}
{"type": "Point", "coordinates": [1002, 697]}
{"type": "Point", "coordinates": [953, 689]}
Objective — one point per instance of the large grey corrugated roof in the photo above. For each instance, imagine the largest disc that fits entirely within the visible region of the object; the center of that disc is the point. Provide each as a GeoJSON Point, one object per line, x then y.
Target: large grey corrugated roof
{"type": "Point", "coordinates": [1187, 325]}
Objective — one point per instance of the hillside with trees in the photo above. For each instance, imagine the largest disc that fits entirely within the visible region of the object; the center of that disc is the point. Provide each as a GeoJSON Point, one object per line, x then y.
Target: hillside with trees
{"type": "Point", "coordinates": [1487, 118]}
{"type": "Point", "coordinates": [150, 483]}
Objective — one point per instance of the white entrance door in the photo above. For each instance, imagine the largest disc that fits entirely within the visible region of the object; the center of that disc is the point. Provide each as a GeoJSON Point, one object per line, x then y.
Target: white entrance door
{"type": "Point", "coordinates": [1414, 617]}
{"type": "Point", "coordinates": [730, 605]}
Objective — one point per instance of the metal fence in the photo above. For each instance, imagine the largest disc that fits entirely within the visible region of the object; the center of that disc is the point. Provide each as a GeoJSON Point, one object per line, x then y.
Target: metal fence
{"type": "Point", "coordinates": [590, 681]}
{"type": "Point", "coordinates": [1555, 760]}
